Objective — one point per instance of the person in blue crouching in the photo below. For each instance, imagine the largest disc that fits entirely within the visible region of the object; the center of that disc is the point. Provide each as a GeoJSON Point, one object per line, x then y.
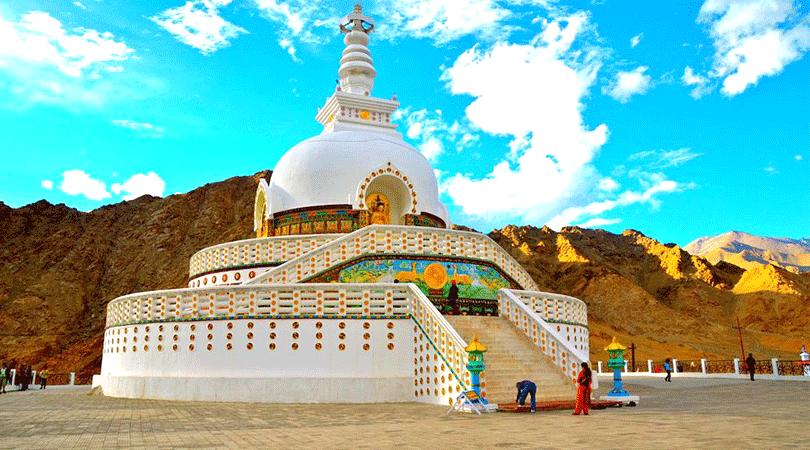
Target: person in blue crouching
{"type": "Point", "coordinates": [523, 388]}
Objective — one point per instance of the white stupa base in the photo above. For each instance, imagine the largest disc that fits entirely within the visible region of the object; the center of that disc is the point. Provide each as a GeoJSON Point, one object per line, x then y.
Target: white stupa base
{"type": "Point", "coordinates": [260, 390]}
{"type": "Point", "coordinates": [625, 399]}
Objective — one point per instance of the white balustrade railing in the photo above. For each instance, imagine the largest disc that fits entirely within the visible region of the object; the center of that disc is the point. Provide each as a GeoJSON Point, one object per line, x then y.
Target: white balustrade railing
{"type": "Point", "coordinates": [253, 252]}
{"type": "Point", "coordinates": [552, 342]}
{"type": "Point", "coordinates": [321, 300]}
{"type": "Point", "coordinates": [447, 345]}
{"type": "Point", "coordinates": [400, 240]}
{"type": "Point", "coordinates": [565, 314]}
{"type": "Point", "coordinates": [555, 308]}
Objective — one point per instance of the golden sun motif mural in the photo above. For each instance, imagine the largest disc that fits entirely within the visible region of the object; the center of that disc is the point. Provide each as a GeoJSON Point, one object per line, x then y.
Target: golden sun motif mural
{"type": "Point", "coordinates": [435, 276]}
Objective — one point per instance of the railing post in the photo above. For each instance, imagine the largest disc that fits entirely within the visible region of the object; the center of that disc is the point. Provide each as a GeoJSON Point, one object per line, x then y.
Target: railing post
{"type": "Point", "coordinates": [775, 366]}
{"type": "Point", "coordinates": [675, 366]}
{"type": "Point", "coordinates": [649, 366]}
{"type": "Point", "coordinates": [73, 378]}
{"type": "Point", "coordinates": [13, 377]}
{"type": "Point", "coordinates": [736, 366]}
{"type": "Point", "coordinates": [625, 367]}
{"type": "Point", "coordinates": [599, 370]}
{"type": "Point", "coordinates": [703, 365]}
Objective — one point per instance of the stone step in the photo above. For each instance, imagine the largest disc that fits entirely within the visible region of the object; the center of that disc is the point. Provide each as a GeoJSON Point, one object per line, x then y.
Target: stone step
{"type": "Point", "coordinates": [512, 357]}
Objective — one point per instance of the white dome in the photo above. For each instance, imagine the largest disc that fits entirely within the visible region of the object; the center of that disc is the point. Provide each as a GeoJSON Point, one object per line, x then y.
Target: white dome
{"type": "Point", "coordinates": [333, 168]}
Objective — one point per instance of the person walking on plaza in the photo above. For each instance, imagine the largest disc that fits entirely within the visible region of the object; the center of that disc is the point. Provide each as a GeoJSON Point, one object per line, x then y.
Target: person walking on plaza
{"type": "Point", "coordinates": [43, 377]}
{"type": "Point", "coordinates": [668, 368]}
{"type": "Point", "coordinates": [523, 388]}
{"type": "Point", "coordinates": [21, 376]}
{"type": "Point", "coordinates": [583, 390]}
{"type": "Point", "coordinates": [751, 363]}
{"type": "Point", "coordinates": [452, 298]}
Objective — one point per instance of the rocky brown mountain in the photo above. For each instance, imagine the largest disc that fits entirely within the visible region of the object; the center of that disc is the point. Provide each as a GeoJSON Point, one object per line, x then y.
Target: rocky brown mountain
{"type": "Point", "coordinates": [61, 266]}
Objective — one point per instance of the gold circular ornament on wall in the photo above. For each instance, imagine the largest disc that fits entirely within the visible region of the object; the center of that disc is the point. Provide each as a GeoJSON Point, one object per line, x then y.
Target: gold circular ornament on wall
{"type": "Point", "coordinates": [435, 275]}
{"type": "Point", "coordinates": [365, 115]}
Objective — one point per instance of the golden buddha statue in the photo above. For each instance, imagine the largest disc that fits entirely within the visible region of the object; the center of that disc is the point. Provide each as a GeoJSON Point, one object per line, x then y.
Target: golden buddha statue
{"type": "Point", "coordinates": [379, 207]}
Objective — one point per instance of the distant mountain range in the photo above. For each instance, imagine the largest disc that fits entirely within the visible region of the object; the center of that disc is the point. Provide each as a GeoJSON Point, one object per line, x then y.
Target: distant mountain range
{"type": "Point", "coordinates": [749, 251]}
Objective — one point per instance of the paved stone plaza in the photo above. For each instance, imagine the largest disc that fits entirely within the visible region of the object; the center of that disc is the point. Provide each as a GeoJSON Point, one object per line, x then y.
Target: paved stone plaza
{"type": "Point", "coordinates": [684, 414]}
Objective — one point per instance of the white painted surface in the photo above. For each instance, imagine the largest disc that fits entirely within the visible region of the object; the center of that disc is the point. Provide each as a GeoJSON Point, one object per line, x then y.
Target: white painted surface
{"type": "Point", "coordinates": [263, 390]}
{"type": "Point", "coordinates": [328, 168]}
{"type": "Point", "coordinates": [133, 351]}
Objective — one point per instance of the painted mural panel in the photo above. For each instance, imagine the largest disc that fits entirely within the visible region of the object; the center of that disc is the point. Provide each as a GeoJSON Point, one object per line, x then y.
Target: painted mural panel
{"type": "Point", "coordinates": [474, 281]}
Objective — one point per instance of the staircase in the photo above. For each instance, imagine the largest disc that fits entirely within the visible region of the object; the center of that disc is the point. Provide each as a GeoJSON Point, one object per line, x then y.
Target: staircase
{"type": "Point", "coordinates": [512, 357]}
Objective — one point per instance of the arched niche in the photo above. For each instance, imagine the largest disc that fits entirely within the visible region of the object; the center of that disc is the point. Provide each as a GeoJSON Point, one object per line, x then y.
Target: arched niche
{"type": "Point", "coordinates": [397, 194]}
{"type": "Point", "coordinates": [260, 210]}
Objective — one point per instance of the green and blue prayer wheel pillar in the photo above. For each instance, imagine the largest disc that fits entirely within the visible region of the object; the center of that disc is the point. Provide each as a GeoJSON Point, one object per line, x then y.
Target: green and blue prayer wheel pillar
{"type": "Point", "coordinates": [476, 365]}
{"type": "Point", "coordinates": [616, 362]}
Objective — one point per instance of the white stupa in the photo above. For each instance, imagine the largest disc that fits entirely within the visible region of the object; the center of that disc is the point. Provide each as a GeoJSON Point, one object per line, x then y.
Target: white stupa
{"type": "Point", "coordinates": [342, 295]}
{"type": "Point", "coordinates": [358, 160]}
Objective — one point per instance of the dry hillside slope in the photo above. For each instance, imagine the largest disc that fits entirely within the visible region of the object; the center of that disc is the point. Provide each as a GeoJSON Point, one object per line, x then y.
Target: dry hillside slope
{"type": "Point", "coordinates": [61, 267]}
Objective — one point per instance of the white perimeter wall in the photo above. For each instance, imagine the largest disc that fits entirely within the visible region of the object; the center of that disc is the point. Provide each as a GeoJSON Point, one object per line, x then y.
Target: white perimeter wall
{"type": "Point", "coordinates": [145, 364]}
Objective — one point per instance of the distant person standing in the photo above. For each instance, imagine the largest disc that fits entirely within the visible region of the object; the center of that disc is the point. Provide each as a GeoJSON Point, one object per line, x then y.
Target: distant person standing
{"type": "Point", "coordinates": [668, 368]}
{"type": "Point", "coordinates": [524, 388]}
{"type": "Point", "coordinates": [583, 390]}
{"type": "Point", "coordinates": [452, 298]}
{"type": "Point", "coordinates": [3, 379]}
{"type": "Point", "coordinates": [751, 363]}
{"type": "Point", "coordinates": [43, 377]}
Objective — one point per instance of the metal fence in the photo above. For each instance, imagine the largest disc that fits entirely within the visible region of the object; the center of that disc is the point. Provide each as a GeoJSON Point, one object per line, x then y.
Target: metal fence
{"type": "Point", "coordinates": [720, 366]}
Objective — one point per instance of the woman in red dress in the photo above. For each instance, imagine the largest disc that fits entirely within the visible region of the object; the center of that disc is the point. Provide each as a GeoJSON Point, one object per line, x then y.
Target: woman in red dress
{"type": "Point", "coordinates": [583, 390]}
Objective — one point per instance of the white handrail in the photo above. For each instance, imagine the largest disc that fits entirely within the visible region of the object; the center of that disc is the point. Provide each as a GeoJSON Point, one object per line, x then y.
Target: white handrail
{"type": "Point", "coordinates": [375, 239]}
{"type": "Point", "coordinates": [444, 339]}
{"type": "Point", "coordinates": [257, 251]}
{"type": "Point", "coordinates": [555, 308]}
{"type": "Point", "coordinates": [562, 354]}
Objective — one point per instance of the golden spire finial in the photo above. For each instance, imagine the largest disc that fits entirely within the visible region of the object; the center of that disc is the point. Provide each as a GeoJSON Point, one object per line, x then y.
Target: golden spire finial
{"type": "Point", "coordinates": [475, 346]}
{"type": "Point", "coordinates": [615, 345]}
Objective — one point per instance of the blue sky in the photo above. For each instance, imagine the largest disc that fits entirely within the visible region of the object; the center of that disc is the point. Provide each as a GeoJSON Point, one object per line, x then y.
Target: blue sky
{"type": "Point", "coordinates": [679, 120]}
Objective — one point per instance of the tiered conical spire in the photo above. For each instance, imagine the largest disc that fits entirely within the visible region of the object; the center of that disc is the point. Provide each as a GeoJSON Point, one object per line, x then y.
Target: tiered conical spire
{"type": "Point", "coordinates": [356, 67]}
{"type": "Point", "coordinates": [351, 107]}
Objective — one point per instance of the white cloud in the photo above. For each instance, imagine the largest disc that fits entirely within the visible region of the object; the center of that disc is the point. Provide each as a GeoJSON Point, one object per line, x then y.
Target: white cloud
{"type": "Point", "coordinates": [44, 63]}
{"type": "Point", "coordinates": [798, 157]}
{"type": "Point", "coordinates": [143, 129]}
{"type": "Point", "coordinates": [628, 84]}
{"type": "Point", "coordinates": [662, 159]}
{"type": "Point", "coordinates": [431, 148]}
{"type": "Point", "coordinates": [770, 169]}
{"type": "Point", "coordinates": [47, 184]}
{"type": "Point", "coordinates": [198, 24]}
{"type": "Point", "coordinates": [608, 184]}
{"type": "Point", "coordinates": [288, 45]}
{"type": "Point", "coordinates": [301, 21]}
{"type": "Point", "coordinates": [141, 184]}
{"type": "Point", "coordinates": [539, 107]}
{"type": "Point", "coordinates": [626, 198]}
{"type": "Point", "coordinates": [636, 39]}
{"type": "Point", "coordinates": [442, 21]}
{"type": "Point", "coordinates": [40, 39]}
{"type": "Point", "coordinates": [753, 38]}
{"type": "Point", "coordinates": [77, 182]}
{"type": "Point", "coordinates": [598, 222]}
{"type": "Point", "coordinates": [80, 5]}
{"type": "Point", "coordinates": [701, 83]}
{"type": "Point", "coordinates": [431, 132]}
